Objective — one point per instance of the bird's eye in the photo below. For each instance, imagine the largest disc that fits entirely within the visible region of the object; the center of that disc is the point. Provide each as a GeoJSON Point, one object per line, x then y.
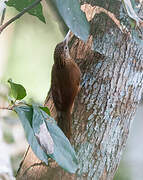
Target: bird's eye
{"type": "Point", "coordinates": [66, 47]}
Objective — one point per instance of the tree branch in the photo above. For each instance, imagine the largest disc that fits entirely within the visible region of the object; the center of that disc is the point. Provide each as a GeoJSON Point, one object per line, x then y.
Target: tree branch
{"type": "Point", "coordinates": [2, 27]}
{"type": "Point", "coordinates": [7, 108]}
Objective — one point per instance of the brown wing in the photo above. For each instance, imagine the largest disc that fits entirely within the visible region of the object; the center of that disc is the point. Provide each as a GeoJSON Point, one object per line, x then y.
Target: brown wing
{"type": "Point", "coordinates": [72, 81]}
{"type": "Point", "coordinates": [65, 85]}
{"type": "Point", "coordinates": [55, 87]}
{"type": "Point", "coordinates": [76, 76]}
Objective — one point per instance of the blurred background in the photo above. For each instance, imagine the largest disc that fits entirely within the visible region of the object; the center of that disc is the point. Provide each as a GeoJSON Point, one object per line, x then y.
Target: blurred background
{"type": "Point", "coordinates": [26, 56]}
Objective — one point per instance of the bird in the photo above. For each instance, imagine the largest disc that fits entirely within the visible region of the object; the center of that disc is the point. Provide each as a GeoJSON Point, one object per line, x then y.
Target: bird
{"type": "Point", "coordinates": [65, 85]}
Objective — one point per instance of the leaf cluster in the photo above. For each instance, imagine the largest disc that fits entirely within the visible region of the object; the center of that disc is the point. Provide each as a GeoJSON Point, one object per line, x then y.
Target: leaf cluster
{"type": "Point", "coordinates": [43, 135]}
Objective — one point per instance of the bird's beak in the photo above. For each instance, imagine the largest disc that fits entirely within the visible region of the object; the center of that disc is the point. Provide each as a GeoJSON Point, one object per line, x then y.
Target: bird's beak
{"type": "Point", "coordinates": [66, 39]}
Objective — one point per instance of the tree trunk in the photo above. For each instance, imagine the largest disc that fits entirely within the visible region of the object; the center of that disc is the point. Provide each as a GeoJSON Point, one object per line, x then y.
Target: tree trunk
{"type": "Point", "coordinates": [111, 87]}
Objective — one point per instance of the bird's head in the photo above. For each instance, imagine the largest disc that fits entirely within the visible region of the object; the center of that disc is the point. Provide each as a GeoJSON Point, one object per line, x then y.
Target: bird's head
{"type": "Point", "coordinates": [62, 50]}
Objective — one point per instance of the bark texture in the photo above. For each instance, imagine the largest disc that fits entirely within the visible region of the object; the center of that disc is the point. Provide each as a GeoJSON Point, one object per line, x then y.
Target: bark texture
{"type": "Point", "coordinates": [111, 87]}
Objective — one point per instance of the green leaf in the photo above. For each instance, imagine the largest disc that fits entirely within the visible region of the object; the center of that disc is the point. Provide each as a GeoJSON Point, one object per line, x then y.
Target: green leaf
{"type": "Point", "coordinates": [41, 131]}
{"type": "Point", "coordinates": [21, 4]}
{"type": "Point", "coordinates": [131, 13]}
{"type": "Point", "coordinates": [46, 109]}
{"type": "Point", "coordinates": [63, 153]}
{"type": "Point", "coordinates": [17, 90]}
{"type": "Point", "coordinates": [45, 137]}
{"type": "Point", "coordinates": [74, 18]}
{"type": "Point", "coordinates": [25, 114]}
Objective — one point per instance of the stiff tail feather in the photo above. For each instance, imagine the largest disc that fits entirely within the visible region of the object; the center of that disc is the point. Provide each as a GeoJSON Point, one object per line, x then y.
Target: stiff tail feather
{"type": "Point", "coordinates": [64, 122]}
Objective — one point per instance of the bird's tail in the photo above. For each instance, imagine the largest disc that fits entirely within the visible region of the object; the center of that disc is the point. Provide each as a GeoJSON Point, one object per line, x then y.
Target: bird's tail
{"type": "Point", "coordinates": [64, 122]}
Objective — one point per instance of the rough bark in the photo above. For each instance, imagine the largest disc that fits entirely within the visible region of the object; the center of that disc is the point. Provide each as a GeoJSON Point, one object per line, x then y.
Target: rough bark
{"type": "Point", "coordinates": [111, 87]}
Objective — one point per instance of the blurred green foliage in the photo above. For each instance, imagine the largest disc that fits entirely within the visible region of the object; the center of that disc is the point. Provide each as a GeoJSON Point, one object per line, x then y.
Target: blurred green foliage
{"type": "Point", "coordinates": [15, 162]}
{"type": "Point", "coordinates": [30, 56]}
{"type": "Point", "coordinates": [123, 172]}
{"type": "Point", "coordinates": [8, 137]}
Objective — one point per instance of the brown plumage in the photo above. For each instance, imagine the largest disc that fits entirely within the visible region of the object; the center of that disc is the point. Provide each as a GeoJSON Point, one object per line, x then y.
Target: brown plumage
{"type": "Point", "coordinates": [65, 85]}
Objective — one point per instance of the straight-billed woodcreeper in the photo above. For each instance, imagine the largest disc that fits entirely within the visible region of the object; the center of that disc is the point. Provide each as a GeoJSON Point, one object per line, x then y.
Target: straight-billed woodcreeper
{"type": "Point", "coordinates": [65, 84]}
